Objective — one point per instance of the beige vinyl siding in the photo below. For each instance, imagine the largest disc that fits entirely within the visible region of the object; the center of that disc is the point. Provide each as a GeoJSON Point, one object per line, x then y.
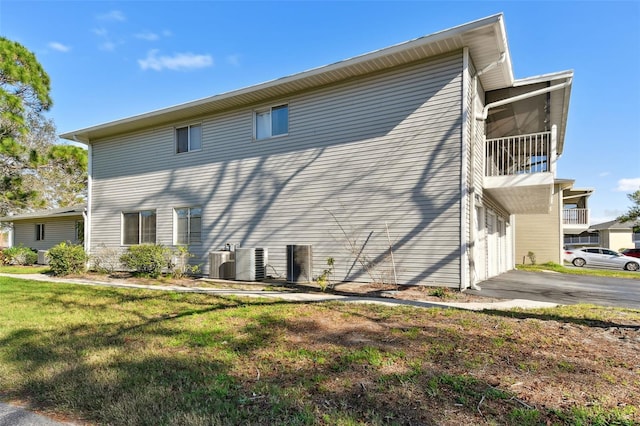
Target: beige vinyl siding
{"type": "Point", "coordinates": [540, 234]}
{"type": "Point", "coordinates": [56, 230]}
{"type": "Point", "coordinates": [385, 149]}
{"type": "Point", "coordinates": [616, 239]}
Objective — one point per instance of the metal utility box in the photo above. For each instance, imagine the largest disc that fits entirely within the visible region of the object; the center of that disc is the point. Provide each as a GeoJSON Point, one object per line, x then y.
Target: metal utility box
{"type": "Point", "coordinates": [222, 265]}
{"type": "Point", "coordinates": [251, 264]}
{"type": "Point", "coordinates": [299, 263]}
{"type": "Point", "coordinates": [43, 259]}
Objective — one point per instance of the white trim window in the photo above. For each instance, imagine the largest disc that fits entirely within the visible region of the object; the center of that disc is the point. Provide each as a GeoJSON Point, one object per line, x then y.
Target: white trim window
{"type": "Point", "coordinates": [188, 225]}
{"type": "Point", "coordinates": [139, 227]}
{"type": "Point", "coordinates": [188, 138]}
{"type": "Point", "coordinates": [39, 231]}
{"type": "Point", "coordinates": [270, 122]}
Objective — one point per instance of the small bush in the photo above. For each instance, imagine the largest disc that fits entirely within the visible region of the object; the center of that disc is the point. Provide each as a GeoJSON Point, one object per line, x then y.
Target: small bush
{"type": "Point", "coordinates": [324, 279]}
{"type": "Point", "coordinates": [146, 259]}
{"type": "Point", "coordinates": [179, 265]}
{"type": "Point", "coordinates": [20, 255]}
{"type": "Point", "coordinates": [532, 257]}
{"type": "Point", "coordinates": [105, 260]}
{"type": "Point", "coordinates": [67, 259]}
{"type": "Point", "coordinates": [441, 292]}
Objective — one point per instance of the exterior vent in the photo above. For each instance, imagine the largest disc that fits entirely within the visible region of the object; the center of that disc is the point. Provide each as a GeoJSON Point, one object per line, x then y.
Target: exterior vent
{"type": "Point", "coordinates": [251, 264]}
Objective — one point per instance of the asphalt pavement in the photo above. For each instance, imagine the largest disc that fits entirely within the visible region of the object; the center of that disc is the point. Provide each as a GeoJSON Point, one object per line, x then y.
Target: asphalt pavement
{"type": "Point", "coordinates": [564, 289]}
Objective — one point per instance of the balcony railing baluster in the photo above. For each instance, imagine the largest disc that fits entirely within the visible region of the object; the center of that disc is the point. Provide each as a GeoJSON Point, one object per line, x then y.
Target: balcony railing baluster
{"type": "Point", "coordinates": [515, 155]}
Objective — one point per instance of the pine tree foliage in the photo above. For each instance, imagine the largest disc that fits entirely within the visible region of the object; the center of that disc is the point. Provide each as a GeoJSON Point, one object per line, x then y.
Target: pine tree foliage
{"type": "Point", "coordinates": [36, 173]}
{"type": "Point", "coordinates": [634, 210]}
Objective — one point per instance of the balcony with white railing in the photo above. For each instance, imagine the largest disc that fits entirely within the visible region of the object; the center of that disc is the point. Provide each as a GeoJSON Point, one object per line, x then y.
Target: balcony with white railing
{"type": "Point", "coordinates": [520, 171]}
{"type": "Point", "coordinates": [582, 240]}
{"type": "Point", "coordinates": [575, 220]}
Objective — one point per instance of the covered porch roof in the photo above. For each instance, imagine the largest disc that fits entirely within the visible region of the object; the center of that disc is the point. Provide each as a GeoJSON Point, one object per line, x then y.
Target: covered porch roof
{"type": "Point", "coordinates": [47, 214]}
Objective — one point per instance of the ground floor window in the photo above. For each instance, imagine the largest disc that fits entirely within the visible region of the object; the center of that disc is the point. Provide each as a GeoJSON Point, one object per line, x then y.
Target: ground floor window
{"type": "Point", "coordinates": [39, 231]}
{"type": "Point", "coordinates": [80, 231]}
{"type": "Point", "coordinates": [139, 227]}
{"type": "Point", "coordinates": [188, 225]}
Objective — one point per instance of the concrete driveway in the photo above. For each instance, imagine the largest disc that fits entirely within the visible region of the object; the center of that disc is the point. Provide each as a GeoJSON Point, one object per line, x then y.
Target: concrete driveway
{"type": "Point", "coordinates": [563, 288]}
{"type": "Point", "coordinates": [11, 415]}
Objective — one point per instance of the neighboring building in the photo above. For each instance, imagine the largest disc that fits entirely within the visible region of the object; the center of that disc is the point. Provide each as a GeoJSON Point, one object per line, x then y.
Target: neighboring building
{"type": "Point", "coordinates": [44, 229]}
{"type": "Point", "coordinates": [545, 235]}
{"type": "Point", "coordinates": [5, 238]}
{"type": "Point", "coordinates": [424, 149]}
{"type": "Point", "coordinates": [615, 235]}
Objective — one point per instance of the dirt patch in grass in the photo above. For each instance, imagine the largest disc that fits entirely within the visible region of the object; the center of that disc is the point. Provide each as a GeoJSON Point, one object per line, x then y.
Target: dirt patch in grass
{"type": "Point", "coordinates": [418, 293]}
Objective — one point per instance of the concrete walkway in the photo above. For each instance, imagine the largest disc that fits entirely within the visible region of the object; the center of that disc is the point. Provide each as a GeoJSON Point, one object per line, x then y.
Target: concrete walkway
{"type": "Point", "coordinates": [16, 416]}
{"type": "Point", "coordinates": [293, 296]}
{"type": "Point", "coordinates": [10, 415]}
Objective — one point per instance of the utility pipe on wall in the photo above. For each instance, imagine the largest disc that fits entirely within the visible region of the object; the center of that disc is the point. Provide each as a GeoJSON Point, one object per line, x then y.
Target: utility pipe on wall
{"type": "Point", "coordinates": [472, 201]}
{"type": "Point", "coordinates": [485, 110]}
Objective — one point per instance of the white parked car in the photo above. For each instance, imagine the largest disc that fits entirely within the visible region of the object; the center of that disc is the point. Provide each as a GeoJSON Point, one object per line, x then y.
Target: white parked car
{"type": "Point", "coordinates": [598, 256]}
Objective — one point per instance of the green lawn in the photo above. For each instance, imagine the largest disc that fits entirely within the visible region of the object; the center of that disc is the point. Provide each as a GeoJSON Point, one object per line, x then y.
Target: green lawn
{"type": "Point", "coordinates": [34, 269]}
{"type": "Point", "coordinates": [581, 271]}
{"type": "Point", "coordinates": [132, 357]}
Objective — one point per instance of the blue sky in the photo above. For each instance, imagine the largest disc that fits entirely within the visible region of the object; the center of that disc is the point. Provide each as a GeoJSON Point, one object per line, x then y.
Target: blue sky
{"type": "Point", "coordinates": [113, 59]}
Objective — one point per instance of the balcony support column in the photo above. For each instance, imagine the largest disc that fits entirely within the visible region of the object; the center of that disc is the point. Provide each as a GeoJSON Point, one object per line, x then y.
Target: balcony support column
{"type": "Point", "coordinates": [553, 155]}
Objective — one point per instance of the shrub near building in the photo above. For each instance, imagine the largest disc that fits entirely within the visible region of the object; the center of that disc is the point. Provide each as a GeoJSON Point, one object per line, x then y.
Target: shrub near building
{"type": "Point", "coordinates": [67, 259]}
{"type": "Point", "coordinates": [19, 255]}
{"type": "Point", "coordinates": [146, 259]}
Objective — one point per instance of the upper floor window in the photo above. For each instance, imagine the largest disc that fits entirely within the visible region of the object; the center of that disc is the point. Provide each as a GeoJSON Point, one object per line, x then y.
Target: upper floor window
{"type": "Point", "coordinates": [188, 138]}
{"type": "Point", "coordinates": [272, 121]}
{"type": "Point", "coordinates": [139, 227]}
{"type": "Point", "coordinates": [39, 231]}
{"type": "Point", "coordinates": [188, 226]}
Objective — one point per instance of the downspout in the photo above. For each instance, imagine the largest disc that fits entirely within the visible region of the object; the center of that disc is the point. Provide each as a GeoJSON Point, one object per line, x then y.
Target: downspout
{"type": "Point", "coordinates": [465, 187]}
{"type": "Point", "coordinates": [87, 213]}
{"type": "Point", "coordinates": [472, 199]}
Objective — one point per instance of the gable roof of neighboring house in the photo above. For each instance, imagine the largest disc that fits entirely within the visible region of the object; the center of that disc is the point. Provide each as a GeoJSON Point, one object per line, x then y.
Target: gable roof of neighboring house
{"type": "Point", "coordinates": [47, 214]}
{"type": "Point", "coordinates": [485, 38]}
{"type": "Point", "coordinates": [614, 224]}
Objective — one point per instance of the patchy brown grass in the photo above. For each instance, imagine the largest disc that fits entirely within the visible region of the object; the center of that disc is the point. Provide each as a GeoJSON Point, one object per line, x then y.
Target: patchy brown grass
{"type": "Point", "coordinates": [115, 356]}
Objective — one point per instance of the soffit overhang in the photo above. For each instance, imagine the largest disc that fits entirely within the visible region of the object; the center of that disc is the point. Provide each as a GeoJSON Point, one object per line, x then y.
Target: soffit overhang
{"type": "Point", "coordinates": [485, 38]}
{"type": "Point", "coordinates": [522, 194]}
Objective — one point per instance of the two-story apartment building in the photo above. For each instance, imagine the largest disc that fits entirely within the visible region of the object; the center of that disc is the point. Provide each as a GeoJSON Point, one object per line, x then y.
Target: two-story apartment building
{"type": "Point", "coordinates": [423, 150]}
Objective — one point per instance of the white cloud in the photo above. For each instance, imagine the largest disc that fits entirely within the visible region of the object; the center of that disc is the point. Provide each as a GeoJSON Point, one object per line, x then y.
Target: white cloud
{"type": "Point", "coordinates": [114, 15]}
{"type": "Point", "coordinates": [603, 174]}
{"type": "Point", "coordinates": [59, 46]}
{"type": "Point", "coordinates": [628, 185]}
{"type": "Point", "coordinates": [177, 62]}
{"type": "Point", "coordinates": [149, 36]}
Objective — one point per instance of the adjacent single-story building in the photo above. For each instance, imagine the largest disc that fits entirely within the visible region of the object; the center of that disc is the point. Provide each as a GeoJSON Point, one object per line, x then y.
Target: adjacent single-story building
{"type": "Point", "coordinates": [403, 165]}
{"type": "Point", "coordinates": [615, 235]}
{"type": "Point", "coordinates": [42, 230]}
